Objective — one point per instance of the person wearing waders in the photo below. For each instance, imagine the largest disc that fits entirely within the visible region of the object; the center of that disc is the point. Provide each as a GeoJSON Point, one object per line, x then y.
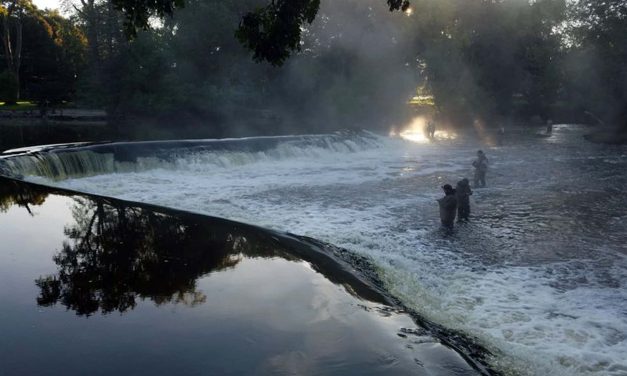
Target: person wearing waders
{"type": "Point", "coordinates": [481, 167]}
{"type": "Point", "coordinates": [463, 192]}
{"type": "Point", "coordinates": [448, 206]}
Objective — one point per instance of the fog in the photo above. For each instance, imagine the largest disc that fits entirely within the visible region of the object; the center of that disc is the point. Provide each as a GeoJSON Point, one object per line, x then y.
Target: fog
{"type": "Point", "coordinates": [358, 66]}
{"type": "Point", "coordinates": [355, 69]}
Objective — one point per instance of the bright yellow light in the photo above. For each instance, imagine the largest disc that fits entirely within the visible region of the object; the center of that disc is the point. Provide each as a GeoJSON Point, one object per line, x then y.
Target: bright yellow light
{"type": "Point", "coordinates": [416, 132]}
{"type": "Point", "coordinates": [414, 136]}
{"type": "Point", "coordinates": [409, 11]}
{"type": "Point", "coordinates": [445, 135]}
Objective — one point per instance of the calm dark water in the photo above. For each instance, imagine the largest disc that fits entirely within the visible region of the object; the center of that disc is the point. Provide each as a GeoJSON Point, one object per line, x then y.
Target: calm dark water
{"type": "Point", "coordinates": [98, 286]}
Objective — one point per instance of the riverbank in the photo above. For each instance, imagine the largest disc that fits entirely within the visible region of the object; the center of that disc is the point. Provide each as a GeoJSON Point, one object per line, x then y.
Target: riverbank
{"type": "Point", "coordinates": [20, 133]}
{"type": "Point", "coordinates": [25, 124]}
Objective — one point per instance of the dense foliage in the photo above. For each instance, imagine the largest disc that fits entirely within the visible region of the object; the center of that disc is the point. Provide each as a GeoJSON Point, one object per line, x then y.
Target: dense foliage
{"type": "Point", "coordinates": [486, 58]}
{"type": "Point", "coordinates": [596, 63]}
{"type": "Point", "coordinates": [42, 52]}
{"type": "Point", "coordinates": [351, 62]}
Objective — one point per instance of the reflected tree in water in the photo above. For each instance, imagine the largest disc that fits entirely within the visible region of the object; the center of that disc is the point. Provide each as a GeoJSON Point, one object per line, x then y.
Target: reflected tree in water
{"type": "Point", "coordinates": [14, 193]}
{"type": "Point", "coordinates": [116, 254]}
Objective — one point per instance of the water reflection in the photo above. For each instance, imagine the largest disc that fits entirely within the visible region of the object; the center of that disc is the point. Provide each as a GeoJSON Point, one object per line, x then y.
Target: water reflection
{"type": "Point", "coordinates": [14, 193]}
{"type": "Point", "coordinates": [277, 305]}
{"type": "Point", "coordinates": [116, 253]}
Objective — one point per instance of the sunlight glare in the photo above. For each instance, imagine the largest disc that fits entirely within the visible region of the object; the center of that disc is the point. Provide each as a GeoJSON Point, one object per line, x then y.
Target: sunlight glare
{"type": "Point", "coordinates": [415, 131]}
{"type": "Point", "coordinates": [445, 135]}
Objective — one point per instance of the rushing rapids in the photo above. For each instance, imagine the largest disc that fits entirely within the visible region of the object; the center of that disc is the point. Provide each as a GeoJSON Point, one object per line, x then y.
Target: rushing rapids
{"type": "Point", "coordinates": [538, 275]}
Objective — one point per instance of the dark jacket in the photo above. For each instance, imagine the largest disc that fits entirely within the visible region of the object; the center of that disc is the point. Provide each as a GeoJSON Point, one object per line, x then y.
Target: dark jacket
{"type": "Point", "coordinates": [481, 164]}
{"type": "Point", "coordinates": [463, 192]}
{"type": "Point", "coordinates": [448, 209]}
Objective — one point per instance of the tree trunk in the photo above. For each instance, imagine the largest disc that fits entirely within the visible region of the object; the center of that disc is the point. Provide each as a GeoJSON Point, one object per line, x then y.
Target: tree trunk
{"type": "Point", "coordinates": [12, 52]}
{"type": "Point", "coordinates": [18, 54]}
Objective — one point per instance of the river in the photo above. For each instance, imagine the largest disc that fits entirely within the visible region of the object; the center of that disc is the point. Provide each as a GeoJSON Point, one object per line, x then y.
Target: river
{"type": "Point", "coordinates": [538, 275]}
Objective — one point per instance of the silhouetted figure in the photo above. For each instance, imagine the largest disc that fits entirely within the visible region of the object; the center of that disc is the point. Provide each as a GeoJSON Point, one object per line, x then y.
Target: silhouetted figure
{"type": "Point", "coordinates": [463, 192]}
{"type": "Point", "coordinates": [549, 127]}
{"type": "Point", "coordinates": [501, 134]}
{"type": "Point", "coordinates": [448, 206]}
{"type": "Point", "coordinates": [431, 129]}
{"type": "Point", "coordinates": [481, 167]}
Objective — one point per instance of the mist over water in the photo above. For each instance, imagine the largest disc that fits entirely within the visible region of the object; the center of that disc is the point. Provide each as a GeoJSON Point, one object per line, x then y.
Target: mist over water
{"type": "Point", "coordinates": [539, 274]}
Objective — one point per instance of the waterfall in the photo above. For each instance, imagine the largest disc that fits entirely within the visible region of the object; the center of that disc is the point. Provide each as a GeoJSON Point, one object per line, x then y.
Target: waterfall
{"type": "Point", "coordinates": [58, 162]}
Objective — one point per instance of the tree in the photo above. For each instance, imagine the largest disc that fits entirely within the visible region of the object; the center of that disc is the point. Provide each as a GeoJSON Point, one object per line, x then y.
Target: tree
{"type": "Point", "coordinates": [43, 52]}
{"type": "Point", "coordinates": [103, 27]}
{"type": "Point", "coordinates": [53, 59]}
{"type": "Point", "coordinates": [12, 13]}
{"type": "Point", "coordinates": [9, 87]}
{"type": "Point", "coordinates": [186, 67]}
{"type": "Point", "coordinates": [478, 56]}
{"type": "Point", "coordinates": [596, 64]}
{"type": "Point", "coordinates": [193, 72]}
{"type": "Point", "coordinates": [272, 31]}
{"type": "Point", "coordinates": [354, 69]}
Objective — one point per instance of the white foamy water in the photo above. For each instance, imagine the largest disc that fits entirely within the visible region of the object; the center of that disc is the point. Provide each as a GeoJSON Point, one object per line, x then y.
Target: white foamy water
{"type": "Point", "coordinates": [538, 276]}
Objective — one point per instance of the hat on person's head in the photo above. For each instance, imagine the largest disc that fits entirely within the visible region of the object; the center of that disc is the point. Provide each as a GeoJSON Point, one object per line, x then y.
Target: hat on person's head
{"type": "Point", "coordinates": [479, 151]}
{"type": "Point", "coordinates": [447, 188]}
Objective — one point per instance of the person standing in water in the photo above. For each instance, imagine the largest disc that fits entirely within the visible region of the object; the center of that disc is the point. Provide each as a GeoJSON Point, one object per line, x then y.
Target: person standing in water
{"type": "Point", "coordinates": [431, 129]}
{"type": "Point", "coordinates": [448, 206]}
{"type": "Point", "coordinates": [501, 134]}
{"type": "Point", "coordinates": [549, 127]}
{"type": "Point", "coordinates": [481, 167]}
{"type": "Point", "coordinates": [462, 193]}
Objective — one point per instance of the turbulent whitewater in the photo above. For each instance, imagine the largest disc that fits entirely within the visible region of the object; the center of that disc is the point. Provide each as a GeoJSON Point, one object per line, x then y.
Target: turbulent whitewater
{"type": "Point", "coordinates": [539, 275]}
